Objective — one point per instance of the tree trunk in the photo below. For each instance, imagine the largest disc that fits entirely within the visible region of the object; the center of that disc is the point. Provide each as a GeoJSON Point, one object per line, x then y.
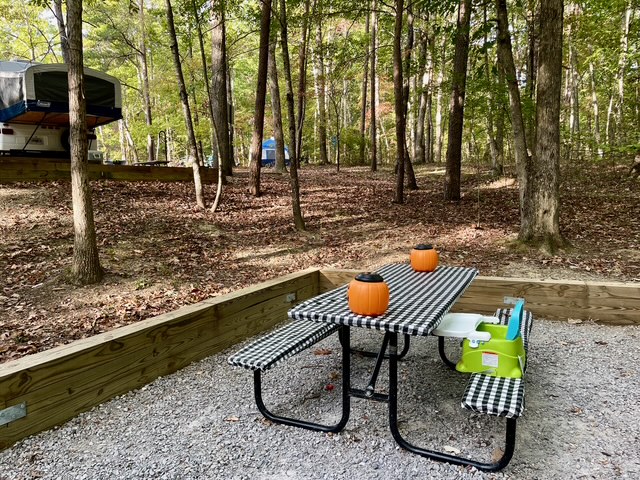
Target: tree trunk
{"type": "Point", "coordinates": [532, 37]}
{"type": "Point", "coordinates": [85, 268]}
{"type": "Point", "coordinates": [505, 57]}
{"type": "Point", "coordinates": [363, 99]}
{"type": "Point", "coordinates": [622, 66]}
{"type": "Point", "coordinates": [205, 74]}
{"type": "Point", "coordinates": [64, 42]}
{"type": "Point", "coordinates": [540, 223]}
{"type": "Point", "coordinates": [456, 105]}
{"type": "Point", "coordinates": [419, 144]}
{"type": "Point", "coordinates": [186, 110]}
{"type": "Point", "coordinates": [298, 219]}
{"type": "Point", "coordinates": [408, 166]}
{"type": "Point", "coordinates": [574, 119]}
{"type": "Point", "coordinates": [261, 93]}
{"type": "Point", "coordinates": [439, 123]}
{"type": "Point", "coordinates": [496, 157]}
{"type": "Point", "coordinates": [276, 107]}
{"type": "Point", "coordinates": [321, 89]}
{"type": "Point", "coordinates": [146, 90]}
{"type": "Point", "coordinates": [374, 133]}
{"type": "Point", "coordinates": [596, 110]}
{"type": "Point", "coordinates": [228, 169]}
{"type": "Point", "coordinates": [302, 81]}
{"type": "Point", "coordinates": [219, 98]}
{"type": "Point", "coordinates": [399, 102]}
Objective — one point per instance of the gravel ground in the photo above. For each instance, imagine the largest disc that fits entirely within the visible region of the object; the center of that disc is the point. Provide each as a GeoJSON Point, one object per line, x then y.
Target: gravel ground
{"type": "Point", "coordinates": [580, 421]}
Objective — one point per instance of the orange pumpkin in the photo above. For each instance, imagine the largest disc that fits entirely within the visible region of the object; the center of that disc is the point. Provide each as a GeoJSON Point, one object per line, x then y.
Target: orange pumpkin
{"type": "Point", "coordinates": [368, 295]}
{"type": "Point", "coordinates": [424, 258]}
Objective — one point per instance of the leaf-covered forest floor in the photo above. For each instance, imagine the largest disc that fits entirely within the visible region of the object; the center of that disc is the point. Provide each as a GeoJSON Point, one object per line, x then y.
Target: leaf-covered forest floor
{"type": "Point", "coordinates": [160, 252]}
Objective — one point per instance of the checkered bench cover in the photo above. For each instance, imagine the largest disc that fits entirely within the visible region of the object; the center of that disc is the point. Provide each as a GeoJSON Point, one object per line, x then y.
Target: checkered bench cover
{"type": "Point", "coordinates": [281, 344]}
{"type": "Point", "coordinates": [503, 397]}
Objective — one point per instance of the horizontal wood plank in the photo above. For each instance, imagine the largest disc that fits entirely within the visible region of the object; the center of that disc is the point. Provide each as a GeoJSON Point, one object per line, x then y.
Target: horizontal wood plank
{"type": "Point", "coordinates": [27, 169]}
{"type": "Point", "coordinates": [606, 302]}
{"type": "Point", "coordinates": [62, 382]}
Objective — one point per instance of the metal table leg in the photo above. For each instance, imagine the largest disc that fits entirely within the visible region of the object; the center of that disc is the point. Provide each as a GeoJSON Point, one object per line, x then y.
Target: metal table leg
{"type": "Point", "coordinates": [346, 399]}
{"type": "Point", "coordinates": [435, 455]}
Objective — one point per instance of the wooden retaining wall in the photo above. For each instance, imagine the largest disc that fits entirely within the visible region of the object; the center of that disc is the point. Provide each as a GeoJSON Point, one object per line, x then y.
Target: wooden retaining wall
{"type": "Point", "coordinates": [60, 383]}
{"type": "Point", "coordinates": [29, 169]}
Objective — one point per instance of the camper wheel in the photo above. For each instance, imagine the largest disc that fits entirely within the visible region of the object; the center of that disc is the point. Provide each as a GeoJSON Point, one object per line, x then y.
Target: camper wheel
{"type": "Point", "coordinates": [65, 140]}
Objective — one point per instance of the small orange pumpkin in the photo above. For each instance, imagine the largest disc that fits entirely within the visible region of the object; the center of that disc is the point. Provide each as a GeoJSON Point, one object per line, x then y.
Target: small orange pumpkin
{"type": "Point", "coordinates": [424, 258]}
{"type": "Point", "coordinates": [368, 295]}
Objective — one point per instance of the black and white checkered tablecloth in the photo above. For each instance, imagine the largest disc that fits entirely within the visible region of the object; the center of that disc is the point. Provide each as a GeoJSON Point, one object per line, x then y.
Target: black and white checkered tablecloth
{"type": "Point", "coordinates": [418, 300]}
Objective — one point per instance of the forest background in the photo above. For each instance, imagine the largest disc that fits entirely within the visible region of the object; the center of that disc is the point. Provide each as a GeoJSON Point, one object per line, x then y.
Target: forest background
{"type": "Point", "coordinates": [336, 49]}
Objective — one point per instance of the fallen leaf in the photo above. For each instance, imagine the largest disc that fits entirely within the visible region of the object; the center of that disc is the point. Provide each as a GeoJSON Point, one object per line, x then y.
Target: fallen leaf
{"type": "Point", "coordinates": [322, 351]}
{"type": "Point", "coordinates": [232, 419]}
{"type": "Point", "coordinates": [574, 321]}
{"type": "Point", "coordinates": [453, 450]}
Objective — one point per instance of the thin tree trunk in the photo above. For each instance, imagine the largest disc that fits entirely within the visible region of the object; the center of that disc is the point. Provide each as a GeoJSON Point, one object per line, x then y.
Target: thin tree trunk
{"type": "Point", "coordinates": [230, 113]}
{"type": "Point", "coordinates": [144, 73]}
{"type": "Point", "coordinates": [203, 59]}
{"type": "Point", "coordinates": [64, 43]}
{"type": "Point", "coordinates": [363, 100]}
{"type": "Point", "coordinates": [302, 80]}
{"type": "Point", "coordinates": [85, 268]}
{"type": "Point", "coordinates": [408, 165]}
{"type": "Point", "coordinates": [186, 110]}
{"type": "Point", "coordinates": [298, 219]}
{"type": "Point", "coordinates": [596, 110]}
{"type": "Point", "coordinates": [622, 66]}
{"type": "Point", "coordinates": [321, 88]}
{"type": "Point", "coordinates": [456, 106]}
{"type": "Point", "coordinates": [540, 224]}
{"type": "Point", "coordinates": [574, 120]}
{"type": "Point", "coordinates": [496, 160]}
{"type": "Point", "coordinates": [399, 102]}
{"type": "Point", "coordinates": [374, 133]}
{"type": "Point", "coordinates": [276, 107]}
{"type": "Point", "coordinates": [419, 141]}
{"type": "Point", "coordinates": [261, 93]}
{"type": "Point", "coordinates": [505, 56]}
{"type": "Point", "coordinates": [439, 123]}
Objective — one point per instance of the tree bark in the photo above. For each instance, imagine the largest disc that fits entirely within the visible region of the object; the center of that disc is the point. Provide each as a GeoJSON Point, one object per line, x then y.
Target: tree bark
{"type": "Point", "coordinates": [298, 219]}
{"type": "Point", "coordinates": [456, 105]}
{"type": "Point", "coordinates": [219, 98]}
{"type": "Point", "coordinates": [398, 91]}
{"type": "Point", "coordinates": [276, 107]}
{"type": "Point", "coordinates": [186, 110]}
{"type": "Point", "coordinates": [85, 268]}
{"type": "Point", "coordinates": [596, 110]}
{"type": "Point", "coordinates": [505, 57]}
{"type": "Point", "coordinates": [439, 129]}
{"type": "Point", "coordinates": [261, 92]}
{"type": "Point", "coordinates": [144, 73]}
{"type": "Point", "coordinates": [62, 31]}
{"type": "Point", "coordinates": [363, 99]}
{"type": "Point", "coordinates": [540, 224]}
{"type": "Point", "coordinates": [424, 75]}
{"type": "Point", "coordinates": [408, 165]}
{"type": "Point", "coordinates": [496, 156]}
{"type": "Point", "coordinates": [322, 101]}
{"type": "Point", "coordinates": [374, 133]}
{"type": "Point", "coordinates": [302, 80]}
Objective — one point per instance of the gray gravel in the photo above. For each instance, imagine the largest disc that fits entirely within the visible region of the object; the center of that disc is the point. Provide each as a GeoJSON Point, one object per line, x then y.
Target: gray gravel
{"type": "Point", "coordinates": [580, 422]}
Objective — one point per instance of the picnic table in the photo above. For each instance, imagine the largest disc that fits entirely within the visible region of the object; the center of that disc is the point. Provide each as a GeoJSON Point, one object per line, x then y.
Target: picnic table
{"type": "Point", "coordinates": [418, 303]}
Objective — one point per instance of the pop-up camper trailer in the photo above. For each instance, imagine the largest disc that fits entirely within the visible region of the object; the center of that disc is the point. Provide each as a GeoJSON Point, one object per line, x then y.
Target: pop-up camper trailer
{"type": "Point", "coordinates": [34, 106]}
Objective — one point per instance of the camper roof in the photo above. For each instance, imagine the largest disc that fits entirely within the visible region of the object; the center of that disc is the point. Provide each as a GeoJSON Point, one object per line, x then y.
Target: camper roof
{"type": "Point", "coordinates": [38, 94]}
